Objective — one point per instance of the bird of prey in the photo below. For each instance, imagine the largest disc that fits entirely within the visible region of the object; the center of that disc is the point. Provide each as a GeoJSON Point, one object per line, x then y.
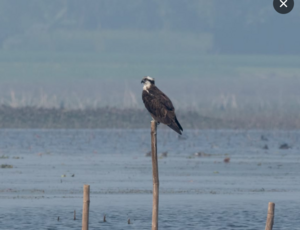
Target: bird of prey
{"type": "Point", "coordinates": [159, 105]}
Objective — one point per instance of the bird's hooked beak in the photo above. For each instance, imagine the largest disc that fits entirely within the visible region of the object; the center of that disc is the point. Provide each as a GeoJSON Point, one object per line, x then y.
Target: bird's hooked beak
{"type": "Point", "coordinates": [143, 81]}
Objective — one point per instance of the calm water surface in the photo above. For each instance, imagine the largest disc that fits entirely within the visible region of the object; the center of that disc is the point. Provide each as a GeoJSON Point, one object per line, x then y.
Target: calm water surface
{"type": "Point", "coordinates": [51, 166]}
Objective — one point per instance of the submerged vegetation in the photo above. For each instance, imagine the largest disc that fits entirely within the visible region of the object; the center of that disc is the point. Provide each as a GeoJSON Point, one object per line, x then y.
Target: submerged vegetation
{"type": "Point", "coordinates": [6, 166]}
{"type": "Point", "coordinates": [108, 117]}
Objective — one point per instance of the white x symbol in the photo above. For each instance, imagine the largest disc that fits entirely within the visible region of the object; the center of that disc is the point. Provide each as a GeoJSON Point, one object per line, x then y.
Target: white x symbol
{"type": "Point", "coordinates": [283, 3]}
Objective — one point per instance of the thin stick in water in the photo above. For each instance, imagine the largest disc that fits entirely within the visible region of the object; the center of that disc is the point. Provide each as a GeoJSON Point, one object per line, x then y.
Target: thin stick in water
{"type": "Point", "coordinates": [86, 206]}
{"type": "Point", "coordinates": [270, 217]}
{"type": "Point", "coordinates": [155, 175]}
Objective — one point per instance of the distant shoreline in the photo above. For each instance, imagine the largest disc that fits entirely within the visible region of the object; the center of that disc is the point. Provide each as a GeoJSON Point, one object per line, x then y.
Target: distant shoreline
{"type": "Point", "coordinates": [106, 117]}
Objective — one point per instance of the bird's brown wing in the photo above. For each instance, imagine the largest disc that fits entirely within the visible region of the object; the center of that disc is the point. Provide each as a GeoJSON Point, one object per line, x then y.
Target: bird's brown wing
{"type": "Point", "coordinates": [154, 106]}
{"type": "Point", "coordinates": [161, 108]}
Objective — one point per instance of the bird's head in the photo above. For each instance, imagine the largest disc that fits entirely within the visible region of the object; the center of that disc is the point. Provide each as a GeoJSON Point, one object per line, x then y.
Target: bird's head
{"type": "Point", "coordinates": [148, 81]}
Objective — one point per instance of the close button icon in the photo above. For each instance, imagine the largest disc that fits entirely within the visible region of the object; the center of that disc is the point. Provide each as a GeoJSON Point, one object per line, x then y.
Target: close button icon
{"type": "Point", "coordinates": [283, 6]}
{"type": "Point", "coordinates": [283, 3]}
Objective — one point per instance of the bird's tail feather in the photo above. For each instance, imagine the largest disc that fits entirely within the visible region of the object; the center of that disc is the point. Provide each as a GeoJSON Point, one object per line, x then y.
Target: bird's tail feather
{"type": "Point", "coordinates": [178, 124]}
{"type": "Point", "coordinates": [175, 128]}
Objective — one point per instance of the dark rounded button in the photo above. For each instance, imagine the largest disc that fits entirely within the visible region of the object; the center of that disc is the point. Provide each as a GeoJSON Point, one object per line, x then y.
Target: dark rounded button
{"type": "Point", "coordinates": [283, 6]}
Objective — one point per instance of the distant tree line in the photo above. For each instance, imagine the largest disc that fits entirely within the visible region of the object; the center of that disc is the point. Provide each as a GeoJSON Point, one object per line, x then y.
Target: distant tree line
{"type": "Point", "coordinates": [108, 117]}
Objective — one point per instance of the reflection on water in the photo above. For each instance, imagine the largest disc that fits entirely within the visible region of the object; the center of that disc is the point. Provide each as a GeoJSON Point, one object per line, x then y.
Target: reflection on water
{"type": "Point", "coordinates": [51, 166]}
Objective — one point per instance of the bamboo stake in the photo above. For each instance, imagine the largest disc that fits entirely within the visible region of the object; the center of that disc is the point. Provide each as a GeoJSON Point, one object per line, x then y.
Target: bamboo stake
{"type": "Point", "coordinates": [155, 175]}
{"type": "Point", "coordinates": [86, 206]}
{"type": "Point", "coordinates": [270, 217]}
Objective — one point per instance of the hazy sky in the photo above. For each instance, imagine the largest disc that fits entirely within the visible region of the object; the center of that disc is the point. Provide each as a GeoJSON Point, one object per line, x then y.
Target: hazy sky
{"type": "Point", "coordinates": [248, 26]}
{"type": "Point", "coordinates": [89, 49]}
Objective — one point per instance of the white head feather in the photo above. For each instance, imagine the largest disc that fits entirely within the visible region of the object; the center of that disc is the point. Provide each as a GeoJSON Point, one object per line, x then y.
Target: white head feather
{"type": "Point", "coordinates": [147, 81]}
{"type": "Point", "coordinates": [149, 78]}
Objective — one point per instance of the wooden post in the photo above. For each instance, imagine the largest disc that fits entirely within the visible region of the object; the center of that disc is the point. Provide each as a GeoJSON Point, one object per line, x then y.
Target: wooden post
{"type": "Point", "coordinates": [86, 206]}
{"type": "Point", "coordinates": [74, 214]}
{"type": "Point", "coordinates": [270, 217]}
{"type": "Point", "coordinates": [155, 175]}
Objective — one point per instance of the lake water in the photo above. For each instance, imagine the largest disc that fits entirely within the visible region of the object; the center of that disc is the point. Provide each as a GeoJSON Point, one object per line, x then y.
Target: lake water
{"type": "Point", "coordinates": [50, 168]}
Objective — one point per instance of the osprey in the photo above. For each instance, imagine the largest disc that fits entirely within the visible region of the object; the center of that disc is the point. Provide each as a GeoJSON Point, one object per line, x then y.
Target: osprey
{"type": "Point", "coordinates": [159, 105]}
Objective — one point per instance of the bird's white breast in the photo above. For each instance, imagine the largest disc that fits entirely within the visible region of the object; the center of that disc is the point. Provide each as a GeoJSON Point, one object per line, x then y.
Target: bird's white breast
{"type": "Point", "coordinates": [146, 86]}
